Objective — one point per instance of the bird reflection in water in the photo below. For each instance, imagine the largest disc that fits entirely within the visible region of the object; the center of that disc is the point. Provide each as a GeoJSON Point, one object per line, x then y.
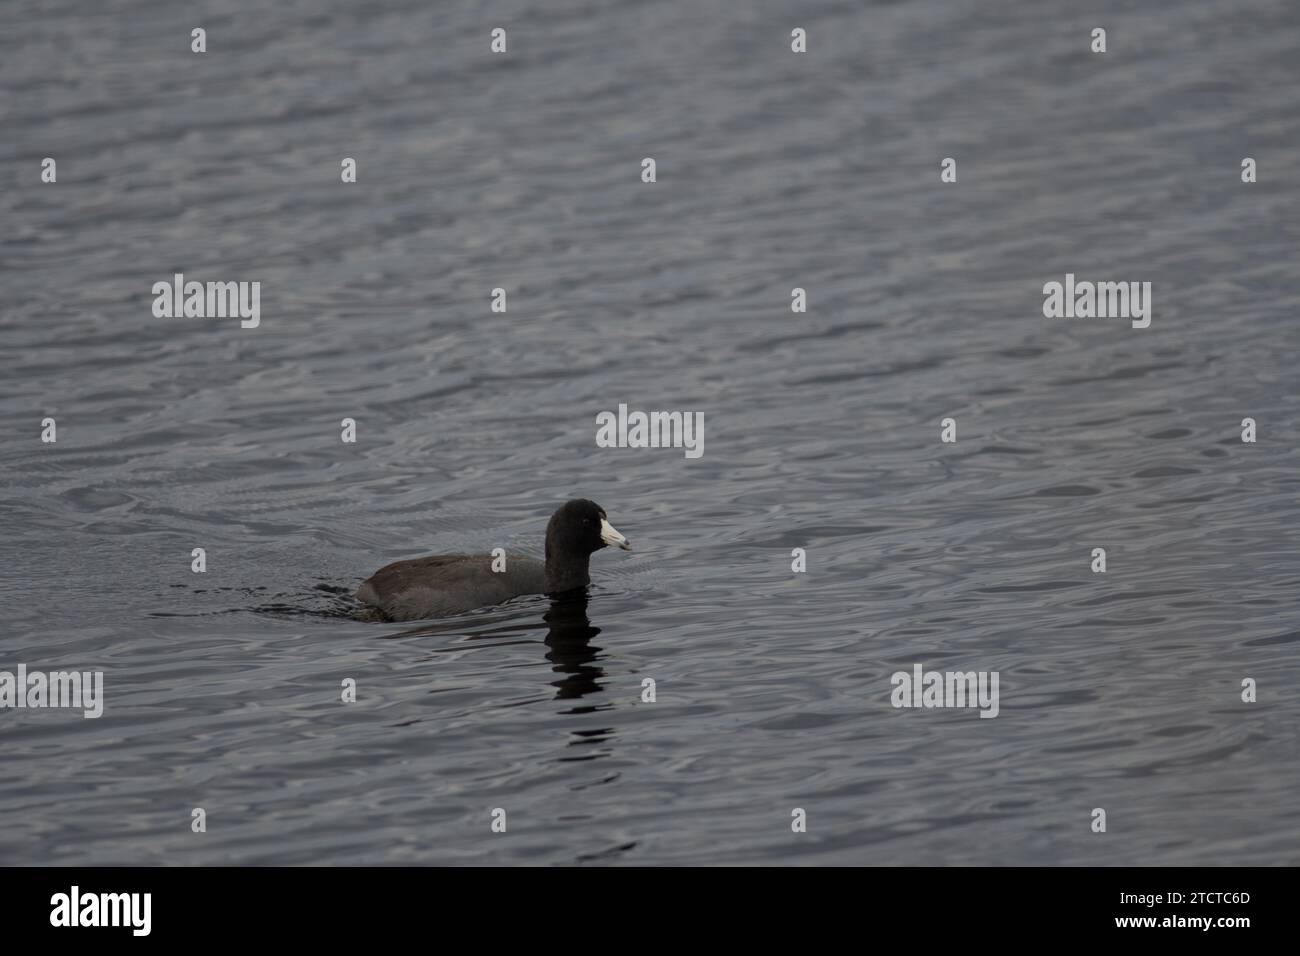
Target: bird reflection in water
{"type": "Point", "coordinates": [570, 651]}
{"type": "Point", "coordinates": [572, 655]}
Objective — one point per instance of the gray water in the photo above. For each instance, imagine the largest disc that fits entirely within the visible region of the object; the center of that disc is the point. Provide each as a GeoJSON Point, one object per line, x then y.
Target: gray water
{"type": "Point", "coordinates": [775, 170]}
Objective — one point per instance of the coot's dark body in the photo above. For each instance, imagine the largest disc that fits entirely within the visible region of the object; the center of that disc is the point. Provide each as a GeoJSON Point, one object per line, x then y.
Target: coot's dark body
{"type": "Point", "coordinates": [447, 584]}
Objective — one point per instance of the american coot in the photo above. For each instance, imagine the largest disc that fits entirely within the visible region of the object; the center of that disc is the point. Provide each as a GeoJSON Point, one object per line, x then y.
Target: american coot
{"type": "Point", "coordinates": [452, 583]}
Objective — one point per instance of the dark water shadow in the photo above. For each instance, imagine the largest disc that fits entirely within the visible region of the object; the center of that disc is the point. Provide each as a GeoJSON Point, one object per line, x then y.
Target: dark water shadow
{"type": "Point", "coordinates": [322, 600]}
{"type": "Point", "coordinates": [569, 632]}
{"type": "Point", "coordinates": [569, 648]}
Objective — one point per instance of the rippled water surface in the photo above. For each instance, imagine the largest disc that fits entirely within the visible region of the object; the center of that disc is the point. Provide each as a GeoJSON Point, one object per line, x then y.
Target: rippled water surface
{"type": "Point", "coordinates": [775, 171]}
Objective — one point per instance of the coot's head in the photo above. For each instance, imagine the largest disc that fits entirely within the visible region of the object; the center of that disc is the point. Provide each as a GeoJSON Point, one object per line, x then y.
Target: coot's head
{"type": "Point", "coordinates": [581, 527]}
